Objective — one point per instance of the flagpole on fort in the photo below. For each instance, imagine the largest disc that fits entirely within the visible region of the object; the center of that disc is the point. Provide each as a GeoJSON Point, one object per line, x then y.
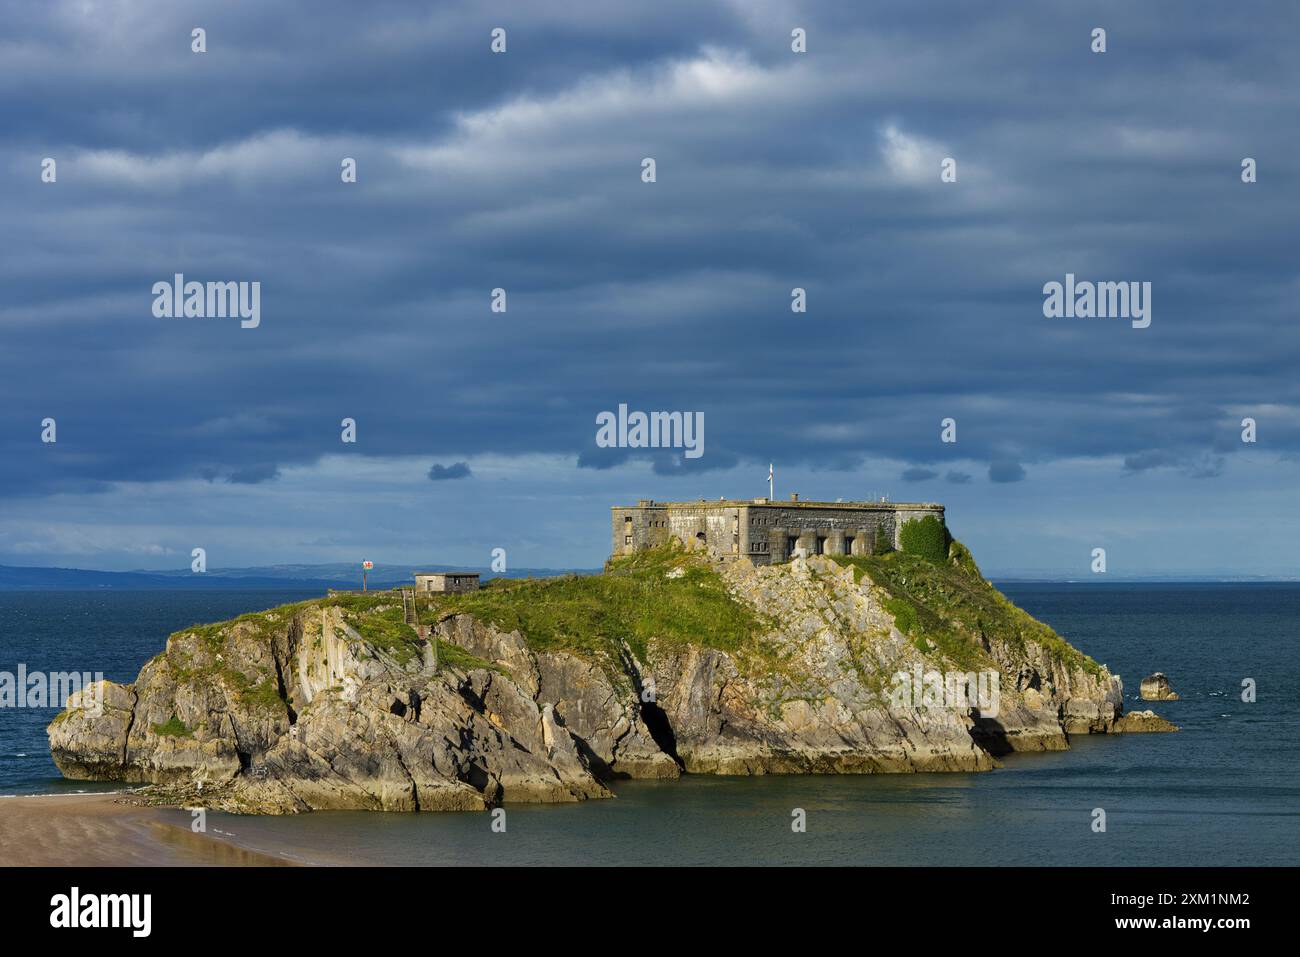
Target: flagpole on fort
{"type": "Point", "coordinates": [771, 486]}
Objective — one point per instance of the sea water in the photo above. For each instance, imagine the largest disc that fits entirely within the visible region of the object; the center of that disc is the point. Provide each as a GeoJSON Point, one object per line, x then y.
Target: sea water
{"type": "Point", "coordinates": [1225, 790]}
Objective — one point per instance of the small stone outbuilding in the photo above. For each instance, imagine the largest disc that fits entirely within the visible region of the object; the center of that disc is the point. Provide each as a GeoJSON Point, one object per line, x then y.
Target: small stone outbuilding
{"type": "Point", "coordinates": [430, 582]}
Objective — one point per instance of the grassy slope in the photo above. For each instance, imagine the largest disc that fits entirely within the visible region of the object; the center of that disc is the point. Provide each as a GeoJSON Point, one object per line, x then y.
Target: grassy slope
{"type": "Point", "coordinates": [949, 608]}
{"type": "Point", "coordinates": [377, 617]}
{"type": "Point", "coordinates": [633, 602]}
{"type": "Point", "coordinates": [196, 660]}
{"type": "Point", "coordinates": [942, 608]}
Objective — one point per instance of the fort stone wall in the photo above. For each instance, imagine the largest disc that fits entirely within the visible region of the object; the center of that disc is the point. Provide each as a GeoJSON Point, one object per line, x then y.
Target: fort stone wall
{"type": "Point", "coordinates": [765, 531]}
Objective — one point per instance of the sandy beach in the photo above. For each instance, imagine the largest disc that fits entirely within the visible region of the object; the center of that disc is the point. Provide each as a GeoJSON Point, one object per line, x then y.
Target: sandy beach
{"type": "Point", "coordinates": [102, 830]}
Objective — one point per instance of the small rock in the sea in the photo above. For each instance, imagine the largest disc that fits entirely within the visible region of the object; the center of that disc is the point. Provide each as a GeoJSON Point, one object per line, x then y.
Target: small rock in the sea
{"type": "Point", "coordinates": [1156, 687]}
{"type": "Point", "coordinates": [1140, 721]}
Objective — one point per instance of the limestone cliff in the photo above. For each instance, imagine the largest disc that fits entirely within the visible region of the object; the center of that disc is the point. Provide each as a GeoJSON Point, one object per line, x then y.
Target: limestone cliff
{"type": "Point", "coordinates": [545, 690]}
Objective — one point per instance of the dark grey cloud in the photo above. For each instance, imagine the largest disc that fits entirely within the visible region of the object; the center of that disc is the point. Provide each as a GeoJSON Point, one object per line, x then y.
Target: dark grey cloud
{"type": "Point", "coordinates": [253, 474]}
{"type": "Point", "coordinates": [665, 462]}
{"type": "Point", "coordinates": [457, 470]}
{"type": "Point", "coordinates": [522, 171]}
{"type": "Point", "coordinates": [675, 463]}
{"type": "Point", "coordinates": [917, 474]}
{"type": "Point", "coordinates": [1005, 470]}
{"type": "Point", "coordinates": [957, 478]}
{"type": "Point", "coordinates": [593, 457]}
{"type": "Point", "coordinates": [1202, 465]}
{"type": "Point", "coordinates": [1151, 459]}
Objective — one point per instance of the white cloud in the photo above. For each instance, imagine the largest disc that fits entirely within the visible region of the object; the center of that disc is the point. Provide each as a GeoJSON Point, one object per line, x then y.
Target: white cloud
{"type": "Point", "coordinates": [265, 156]}
{"type": "Point", "coordinates": [569, 126]}
{"type": "Point", "coordinates": [910, 158]}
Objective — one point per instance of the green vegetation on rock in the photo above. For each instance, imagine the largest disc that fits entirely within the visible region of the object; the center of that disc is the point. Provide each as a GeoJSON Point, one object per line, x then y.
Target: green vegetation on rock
{"type": "Point", "coordinates": [378, 618]}
{"type": "Point", "coordinates": [264, 693]}
{"type": "Point", "coordinates": [950, 607]}
{"type": "Point", "coordinates": [454, 656]}
{"type": "Point", "coordinates": [174, 727]}
{"type": "Point", "coordinates": [665, 594]}
{"type": "Point", "coordinates": [926, 538]}
{"type": "Point", "coordinates": [385, 628]}
{"type": "Point", "coordinates": [649, 603]}
{"type": "Point", "coordinates": [262, 624]}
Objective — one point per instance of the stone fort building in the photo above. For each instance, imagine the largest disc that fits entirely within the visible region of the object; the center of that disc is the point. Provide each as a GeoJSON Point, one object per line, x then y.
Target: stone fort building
{"type": "Point", "coordinates": [763, 530]}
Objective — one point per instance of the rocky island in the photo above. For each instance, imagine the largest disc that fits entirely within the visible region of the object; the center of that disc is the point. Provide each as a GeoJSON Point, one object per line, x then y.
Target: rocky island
{"type": "Point", "coordinates": [544, 690]}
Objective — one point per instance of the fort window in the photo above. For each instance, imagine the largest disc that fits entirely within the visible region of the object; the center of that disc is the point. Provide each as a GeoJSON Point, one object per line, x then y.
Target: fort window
{"type": "Point", "coordinates": [848, 544]}
{"type": "Point", "coordinates": [791, 543]}
{"type": "Point", "coordinates": [821, 545]}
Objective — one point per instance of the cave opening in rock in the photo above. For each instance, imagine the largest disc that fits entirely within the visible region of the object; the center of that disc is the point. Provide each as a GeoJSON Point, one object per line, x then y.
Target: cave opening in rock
{"type": "Point", "coordinates": [656, 722]}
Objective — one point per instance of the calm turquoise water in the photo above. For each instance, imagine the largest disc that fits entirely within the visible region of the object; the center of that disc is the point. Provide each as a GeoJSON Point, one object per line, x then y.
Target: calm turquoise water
{"type": "Point", "coordinates": [1225, 790]}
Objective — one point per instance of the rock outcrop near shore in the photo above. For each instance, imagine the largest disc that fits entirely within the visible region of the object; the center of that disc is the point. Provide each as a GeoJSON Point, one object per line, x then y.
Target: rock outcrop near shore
{"type": "Point", "coordinates": [544, 691]}
{"type": "Point", "coordinates": [1156, 687]}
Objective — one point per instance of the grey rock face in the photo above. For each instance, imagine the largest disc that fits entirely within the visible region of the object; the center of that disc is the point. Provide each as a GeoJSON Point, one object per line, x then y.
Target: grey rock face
{"type": "Point", "coordinates": [1156, 687]}
{"type": "Point", "coordinates": [827, 706]}
{"type": "Point", "coordinates": [299, 712]}
{"type": "Point", "coordinates": [606, 718]}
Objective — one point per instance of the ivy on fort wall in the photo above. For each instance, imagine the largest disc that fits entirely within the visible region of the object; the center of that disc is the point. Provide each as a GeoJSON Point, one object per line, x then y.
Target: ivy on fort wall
{"type": "Point", "coordinates": [926, 538]}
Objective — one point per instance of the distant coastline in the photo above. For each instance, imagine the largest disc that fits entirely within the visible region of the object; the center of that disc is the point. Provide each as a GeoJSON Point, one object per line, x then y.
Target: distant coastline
{"type": "Point", "coordinates": [339, 576]}
{"type": "Point", "coordinates": [269, 578]}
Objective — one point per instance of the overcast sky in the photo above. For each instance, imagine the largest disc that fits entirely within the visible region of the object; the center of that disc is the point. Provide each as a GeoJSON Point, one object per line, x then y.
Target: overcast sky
{"type": "Point", "coordinates": [523, 171]}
